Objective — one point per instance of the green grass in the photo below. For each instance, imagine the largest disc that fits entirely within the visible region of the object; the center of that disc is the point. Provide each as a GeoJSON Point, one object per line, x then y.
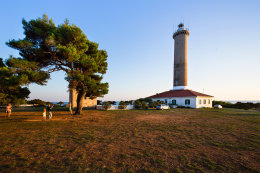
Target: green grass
{"type": "Point", "coordinates": [176, 140]}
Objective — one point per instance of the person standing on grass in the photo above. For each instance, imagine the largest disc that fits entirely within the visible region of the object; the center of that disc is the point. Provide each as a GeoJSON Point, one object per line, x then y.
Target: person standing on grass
{"type": "Point", "coordinates": [44, 115]}
{"type": "Point", "coordinates": [49, 108]}
{"type": "Point", "coordinates": [8, 110]}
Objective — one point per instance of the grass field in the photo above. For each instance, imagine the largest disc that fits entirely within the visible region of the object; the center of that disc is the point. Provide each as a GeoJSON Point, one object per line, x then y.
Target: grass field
{"type": "Point", "coordinates": [176, 140]}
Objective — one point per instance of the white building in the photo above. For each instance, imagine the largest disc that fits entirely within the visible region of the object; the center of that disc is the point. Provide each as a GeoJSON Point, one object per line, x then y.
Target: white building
{"type": "Point", "coordinates": [184, 97]}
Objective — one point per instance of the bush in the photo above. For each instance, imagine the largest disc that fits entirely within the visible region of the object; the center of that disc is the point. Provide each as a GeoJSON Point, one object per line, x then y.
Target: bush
{"type": "Point", "coordinates": [112, 102]}
{"type": "Point", "coordinates": [99, 102]}
{"type": "Point", "coordinates": [17, 101]}
{"type": "Point", "coordinates": [107, 105]}
{"type": "Point", "coordinates": [129, 102]}
{"type": "Point", "coordinates": [122, 105]}
{"type": "Point", "coordinates": [137, 104]}
{"type": "Point", "coordinates": [60, 103]}
{"type": "Point", "coordinates": [140, 104]}
{"type": "Point", "coordinates": [238, 105]}
{"type": "Point", "coordinates": [152, 104]}
{"type": "Point", "coordinates": [144, 105]}
{"type": "Point", "coordinates": [147, 100]}
{"type": "Point", "coordinates": [159, 102]}
{"type": "Point", "coordinates": [37, 102]}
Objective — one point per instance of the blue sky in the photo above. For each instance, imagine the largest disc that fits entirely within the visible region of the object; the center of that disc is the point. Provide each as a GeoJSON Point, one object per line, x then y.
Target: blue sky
{"type": "Point", "coordinates": [223, 46]}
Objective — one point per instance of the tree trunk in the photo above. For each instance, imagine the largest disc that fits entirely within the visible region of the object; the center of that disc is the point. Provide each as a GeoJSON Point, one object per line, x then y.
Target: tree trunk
{"type": "Point", "coordinates": [80, 99]}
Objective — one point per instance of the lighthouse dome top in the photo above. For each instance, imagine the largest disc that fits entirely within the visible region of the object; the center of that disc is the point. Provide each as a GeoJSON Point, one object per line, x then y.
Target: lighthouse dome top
{"type": "Point", "coordinates": [181, 27]}
{"type": "Point", "coordinates": [181, 30]}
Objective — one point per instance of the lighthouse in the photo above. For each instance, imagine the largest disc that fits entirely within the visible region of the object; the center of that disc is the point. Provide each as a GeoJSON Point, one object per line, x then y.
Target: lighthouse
{"type": "Point", "coordinates": [180, 95]}
{"type": "Point", "coordinates": [180, 76]}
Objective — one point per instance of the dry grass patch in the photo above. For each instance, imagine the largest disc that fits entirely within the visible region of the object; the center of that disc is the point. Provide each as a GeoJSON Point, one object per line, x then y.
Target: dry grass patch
{"type": "Point", "coordinates": [179, 140]}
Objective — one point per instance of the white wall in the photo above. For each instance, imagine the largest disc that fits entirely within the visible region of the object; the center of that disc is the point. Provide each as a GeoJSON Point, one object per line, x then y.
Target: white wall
{"type": "Point", "coordinates": [180, 101]}
{"type": "Point", "coordinates": [195, 102]}
{"type": "Point", "coordinates": [201, 102]}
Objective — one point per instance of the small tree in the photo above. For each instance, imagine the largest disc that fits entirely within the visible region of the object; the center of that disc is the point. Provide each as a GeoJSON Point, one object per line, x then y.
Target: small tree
{"type": "Point", "coordinates": [113, 102]}
{"type": "Point", "coordinates": [158, 102]}
{"type": "Point", "coordinates": [122, 105]}
{"type": "Point", "coordinates": [147, 100]}
{"type": "Point", "coordinates": [152, 104]}
{"type": "Point", "coordinates": [37, 102]}
{"type": "Point", "coordinates": [144, 105]}
{"type": "Point", "coordinates": [107, 105]}
{"type": "Point", "coordinates": [137, 104]}
{"type": "Point", "coordinates": [60, 103]}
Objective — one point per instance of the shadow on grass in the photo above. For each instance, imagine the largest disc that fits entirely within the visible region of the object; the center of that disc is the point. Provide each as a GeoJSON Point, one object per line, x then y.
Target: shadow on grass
{"type": "Point", "coordinates": [38, 109]}
{"type": "Point", "coordinates": [16, 119]}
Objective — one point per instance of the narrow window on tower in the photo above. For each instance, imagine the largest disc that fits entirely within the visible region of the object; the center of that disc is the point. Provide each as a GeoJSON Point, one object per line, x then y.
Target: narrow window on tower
{"type": "Point", "coordinates": [177, 73]}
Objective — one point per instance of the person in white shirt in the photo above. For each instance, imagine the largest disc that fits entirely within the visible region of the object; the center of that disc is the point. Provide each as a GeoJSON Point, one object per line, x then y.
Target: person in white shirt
{"type": "Point", "coordinates": [44, 115]}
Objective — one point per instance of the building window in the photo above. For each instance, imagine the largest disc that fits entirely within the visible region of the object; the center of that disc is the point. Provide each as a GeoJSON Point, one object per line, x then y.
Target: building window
{"type": "Point", "coordinates": [174, 102]}
{"type": "Point", "coordinates": [165, 101]}
{"type": "Point", "coordinates": [177, 73]}
{"type": "Point", "coordinates": [187, 101]}
{"type": "Point", "coordinates": [209, 101]}
{"type": "Point", "coordinates": [204, 101]}
{"type": "Point", "coordinates": [200, 101]}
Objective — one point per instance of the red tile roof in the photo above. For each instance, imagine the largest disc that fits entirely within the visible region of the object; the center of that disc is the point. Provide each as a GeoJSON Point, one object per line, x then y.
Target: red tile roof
{"type": "Point", "coordinates": [179, 93]}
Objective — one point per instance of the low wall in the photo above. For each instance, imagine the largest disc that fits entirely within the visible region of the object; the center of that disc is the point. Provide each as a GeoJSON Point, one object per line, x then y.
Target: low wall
{"type": "Point", "coordinates": [114, 107]}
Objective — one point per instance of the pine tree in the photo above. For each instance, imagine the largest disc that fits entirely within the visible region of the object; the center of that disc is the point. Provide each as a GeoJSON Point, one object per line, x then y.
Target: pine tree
{"type": "Point", "coordinates": [13, 78]}
{"type": "Point", "coordinates": [64, 47]}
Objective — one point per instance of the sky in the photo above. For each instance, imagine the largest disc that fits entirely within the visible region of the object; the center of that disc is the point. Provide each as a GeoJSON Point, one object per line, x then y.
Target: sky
{"type": "Point", "coordinates": [223, 46]}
